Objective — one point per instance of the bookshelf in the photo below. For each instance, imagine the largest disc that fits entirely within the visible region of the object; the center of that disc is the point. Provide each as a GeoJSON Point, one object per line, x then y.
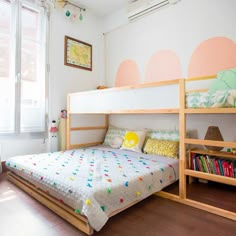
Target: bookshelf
{"type": "Point", "coordinates": [218, 166]}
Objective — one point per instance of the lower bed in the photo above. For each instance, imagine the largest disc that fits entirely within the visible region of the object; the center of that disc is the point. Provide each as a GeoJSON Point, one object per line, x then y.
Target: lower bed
{"type": "Point", "coordinates": [95, 182]}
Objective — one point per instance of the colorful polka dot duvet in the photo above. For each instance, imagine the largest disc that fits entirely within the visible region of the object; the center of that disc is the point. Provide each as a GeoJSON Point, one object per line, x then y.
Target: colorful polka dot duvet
{"type": "Point", "coordinates": [97, 181]}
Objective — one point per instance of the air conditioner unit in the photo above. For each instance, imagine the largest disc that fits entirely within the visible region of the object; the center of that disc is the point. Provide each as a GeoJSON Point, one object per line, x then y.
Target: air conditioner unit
{"type": "Point", "coordinates": [142, 7]}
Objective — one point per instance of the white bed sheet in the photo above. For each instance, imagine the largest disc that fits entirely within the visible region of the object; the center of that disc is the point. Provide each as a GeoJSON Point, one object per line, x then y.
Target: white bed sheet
{"type": "Point", "coordinates": [97, 181]}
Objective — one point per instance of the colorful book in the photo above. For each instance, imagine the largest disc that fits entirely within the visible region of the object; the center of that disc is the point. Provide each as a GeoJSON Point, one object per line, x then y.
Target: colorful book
{"type": "Point", "coordinates": [217, 167]}
{"type": "Point", "coordinates": [199, 164]}
{"type": "Point", "coordinates": [195, 163]}
{"type": "Point", "coordinates": [212, 160]}
{"type": "Point", "coordinates": [221, 167]}
{"type": "Point", "coordinates": [208, 164]}
{"type": "Point", "coordinates": [203, 161]}
{"type": "Point", "coordinates": [225, 166]}
{"type": "Point", "coordinates": [231, 170]}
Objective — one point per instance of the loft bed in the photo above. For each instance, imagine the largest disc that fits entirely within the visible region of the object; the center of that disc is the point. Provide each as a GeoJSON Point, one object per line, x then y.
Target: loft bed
{"type": "Point", "coordinates": [142, 99]}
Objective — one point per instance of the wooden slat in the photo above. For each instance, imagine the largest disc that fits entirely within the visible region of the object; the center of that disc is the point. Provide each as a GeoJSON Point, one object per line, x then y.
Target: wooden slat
{"type": "Point", "coordinates": [196, 91]}
{"type": "Point", "coordinates": [88, 128]}
{"type": "Point", "coordinates": [135, 111]}
{"type": "Point", "coordinates": [215, 210]}
{"type": "Point", "coordinates": [210, 110]}
{"type": "Point", "coordinates": [62, 210]}
{"type": "Point", "coordinates": [210, 143]}
{"type": "Point", "coordinates": [107, 121]}
{"type": "Point", "coordinates": [182, 151]}
{"type": "Point", "coordinates": [214, 153]}
{"type": "Point", "coordinates": [138, 86]}
{"type": "Point", "coordinates": [212, 177]}
{"type": "Point", "coordinates": [68, 123]}
{"type": "Point", "coordinates": [75, 146]}
{"type": "Point", "coordinates": [201, 78]}
{"type": "Point", "coordinates": [167, 195]}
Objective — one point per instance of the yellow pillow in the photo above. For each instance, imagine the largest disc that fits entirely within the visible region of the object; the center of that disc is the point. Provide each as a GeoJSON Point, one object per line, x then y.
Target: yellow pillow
{"type": "Point", "coordinates": [134, 140]}
{"type": "Point", "coordinates": [162, 147]}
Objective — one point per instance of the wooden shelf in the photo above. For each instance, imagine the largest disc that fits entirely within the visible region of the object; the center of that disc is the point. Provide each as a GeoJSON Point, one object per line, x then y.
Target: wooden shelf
{"type": "Point", "coordinates": [215, 153]}
{"type": "Point", "coordinates": [212, 177]}
{"type": "Point", "coordinates": [210, 110]}
{"type": "Point", "coordinates": [210, 143]}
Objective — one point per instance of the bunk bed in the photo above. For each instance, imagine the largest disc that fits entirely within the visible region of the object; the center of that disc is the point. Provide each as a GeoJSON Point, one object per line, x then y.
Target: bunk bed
{"type": "Point", "coordinates": [99, 104]}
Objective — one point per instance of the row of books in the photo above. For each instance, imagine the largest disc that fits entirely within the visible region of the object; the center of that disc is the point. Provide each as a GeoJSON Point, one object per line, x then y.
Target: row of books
{"type": "Point", "coordinates": [212, 165]}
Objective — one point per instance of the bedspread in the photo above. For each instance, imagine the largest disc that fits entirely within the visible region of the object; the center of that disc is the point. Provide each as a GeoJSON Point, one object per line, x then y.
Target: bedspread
{"type": "Point", "coordinates": [96, 181]}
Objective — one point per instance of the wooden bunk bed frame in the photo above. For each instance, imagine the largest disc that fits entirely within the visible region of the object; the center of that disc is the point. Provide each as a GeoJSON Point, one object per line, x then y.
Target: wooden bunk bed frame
{"type": "Point", "coordinates": [81, 222]}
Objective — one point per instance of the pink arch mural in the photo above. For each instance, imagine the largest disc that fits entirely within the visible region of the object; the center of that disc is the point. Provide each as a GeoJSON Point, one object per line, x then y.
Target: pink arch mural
{"type": "Point", "coordinates": [211, 56]}
{"type": "Point", "coordinates": [163, 65]}
{"type": "Point", "coordinates": [127, 74]}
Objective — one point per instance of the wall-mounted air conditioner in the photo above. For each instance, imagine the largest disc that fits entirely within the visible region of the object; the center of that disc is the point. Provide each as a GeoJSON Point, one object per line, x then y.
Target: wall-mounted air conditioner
{"type": "Point", "coordinates": [143, 7]}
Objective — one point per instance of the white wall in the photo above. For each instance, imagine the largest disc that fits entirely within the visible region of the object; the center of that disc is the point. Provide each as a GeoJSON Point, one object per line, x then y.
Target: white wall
{"type": "Point", "coordinates": [181, 28]}
{"type": "Point", "coordinates": [66, 79]}
{"type": "Point", "coordinates": [63, 79]}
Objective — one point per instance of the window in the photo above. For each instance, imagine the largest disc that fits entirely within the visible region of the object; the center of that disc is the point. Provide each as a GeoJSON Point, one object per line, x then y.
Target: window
{"type": "Point", "coordinates": [22, 67]}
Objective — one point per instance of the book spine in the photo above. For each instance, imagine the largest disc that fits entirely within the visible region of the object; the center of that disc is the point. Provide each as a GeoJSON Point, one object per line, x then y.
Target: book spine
{"type": "Point", "coordinates": [231, 171]}
{"type": "Point", "coordinates": [225, 166]}
{"type": "Point", "coordinates": [212, 160]}
{"type": "Point", "coordinates": [221, 167]}
{"type": "Point", "coordinates": [209, 165]}
{"type": "Point", "coordinates": [217, 167]}
{"type": "Point", "coordinates": [203, 164]}
{"type": "Point", "coordinates": [199, 163]}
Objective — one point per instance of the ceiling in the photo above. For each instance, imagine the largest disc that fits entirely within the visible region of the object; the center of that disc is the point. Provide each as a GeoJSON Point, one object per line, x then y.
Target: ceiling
{"type": "Point", "coordinates": [102, 7]}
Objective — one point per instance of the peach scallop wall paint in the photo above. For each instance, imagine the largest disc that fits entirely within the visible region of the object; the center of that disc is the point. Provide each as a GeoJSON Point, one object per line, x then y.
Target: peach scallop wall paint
{"type": "Point", "coordinates": [211, 56]}
{"type": "Point", "coordinates": [163, 65]}
{"type": "Point", "coordinates": [127, 74]}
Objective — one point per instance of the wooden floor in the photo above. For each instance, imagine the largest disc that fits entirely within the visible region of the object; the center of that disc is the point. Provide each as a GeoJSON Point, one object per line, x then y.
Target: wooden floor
{"type": "Point", "coordinates": [21, 215]}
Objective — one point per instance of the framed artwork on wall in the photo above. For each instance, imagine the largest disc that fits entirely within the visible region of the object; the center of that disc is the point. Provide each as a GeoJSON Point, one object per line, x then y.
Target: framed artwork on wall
{"type": "Point", "coordinates": [78, 54]}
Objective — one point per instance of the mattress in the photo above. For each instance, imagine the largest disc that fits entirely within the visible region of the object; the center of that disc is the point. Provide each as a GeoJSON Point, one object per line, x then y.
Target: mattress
{"type": "Point", "coordinates": [96, 181]}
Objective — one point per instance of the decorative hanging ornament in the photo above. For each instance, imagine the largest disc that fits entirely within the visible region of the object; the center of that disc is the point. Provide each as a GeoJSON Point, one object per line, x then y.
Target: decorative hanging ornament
{"type": "Point", "coordinates": [81, 16]}
{"type": "Point", "coordinates": [67, 13]}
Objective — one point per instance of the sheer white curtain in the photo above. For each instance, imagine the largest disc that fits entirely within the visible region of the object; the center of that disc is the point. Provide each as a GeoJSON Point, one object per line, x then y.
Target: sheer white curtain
{"type": "Point", "coordinates": [23, 76]}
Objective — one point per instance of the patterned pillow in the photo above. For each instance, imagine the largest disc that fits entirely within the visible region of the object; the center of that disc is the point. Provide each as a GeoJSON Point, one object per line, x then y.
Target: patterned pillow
{"type": "Point", "coordinates": [134, 140]}
{"type": "Point", "coordinates": [198, 99]}
{"type": "Point", "coordinates": [113, 133]}
{"type": "Point", "coordinates": [163, 135]}
{"type": "Point", "coordinates": [219, 99]}
{"type": "Point", "coordinates": [116, 142]}
{"type": "Point", "coordinates": [162, 147]}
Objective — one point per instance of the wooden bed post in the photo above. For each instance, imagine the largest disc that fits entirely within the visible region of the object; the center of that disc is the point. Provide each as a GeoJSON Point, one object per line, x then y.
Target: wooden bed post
{"type": "Point", "coordinates": [106, 121]}
{"type": "Point", "coordinates": [68, 123]}
{"type": "Point", "coordinates": [182, 125]}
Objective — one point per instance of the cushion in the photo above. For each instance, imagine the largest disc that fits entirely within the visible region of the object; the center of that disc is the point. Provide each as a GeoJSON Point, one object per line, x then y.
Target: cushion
{"type": "Point", "coordinates": [198, 99]}
{"type": "Point", "coordinates": [164, 135]}
{"type": "Point", "coordinates": [226, 79]}
{"type": "Point", "coordinates": [116, 142]}
{"type": "Point", "coordinates": [162, 147]}
{"type": "Point", "coordinates": [134, 140]}
{"type": "Point", "coordinates": [112, 134]}
{"type": "Point", "coordinates": [219, 99]}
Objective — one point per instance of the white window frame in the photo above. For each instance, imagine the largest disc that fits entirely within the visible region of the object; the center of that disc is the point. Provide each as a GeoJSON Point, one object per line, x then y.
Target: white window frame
{"type": "Point", "coordinates": [16, 6]}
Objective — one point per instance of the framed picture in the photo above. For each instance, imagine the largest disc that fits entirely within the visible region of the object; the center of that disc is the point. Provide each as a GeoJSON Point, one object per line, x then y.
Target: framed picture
{"type": "Point", "coordinates": [78, 54]}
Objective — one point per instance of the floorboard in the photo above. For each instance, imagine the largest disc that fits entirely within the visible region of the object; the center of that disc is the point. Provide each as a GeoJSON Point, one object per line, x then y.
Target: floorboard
{"type": "Point", "coordinates": [21, 215]}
